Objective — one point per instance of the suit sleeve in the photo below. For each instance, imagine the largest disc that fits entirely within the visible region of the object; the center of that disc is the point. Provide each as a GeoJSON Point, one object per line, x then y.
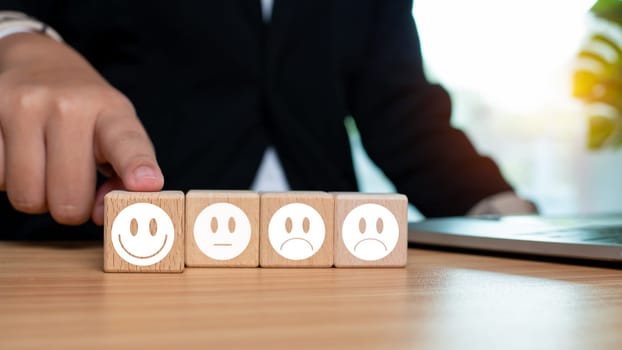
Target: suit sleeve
{"type": "Point", "coordinates": [404, 122]}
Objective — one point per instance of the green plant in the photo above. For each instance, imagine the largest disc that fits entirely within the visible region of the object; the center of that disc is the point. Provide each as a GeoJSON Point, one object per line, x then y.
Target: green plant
{"type": "Point", "coordinates": [598, 76]}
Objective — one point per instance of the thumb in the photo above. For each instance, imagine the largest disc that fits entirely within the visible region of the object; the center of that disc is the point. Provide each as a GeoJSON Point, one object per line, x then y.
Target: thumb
{"type": "Point", "coordinates": [122, 142]}
{"type": "Point", "coordinates": [97, 214]}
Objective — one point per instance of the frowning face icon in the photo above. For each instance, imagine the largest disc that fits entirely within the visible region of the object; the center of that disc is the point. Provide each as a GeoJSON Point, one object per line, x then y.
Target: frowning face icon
{"type": "Point", "coordinates": [370, 232]}
{"type": "Point", "coordinates": [296, 231]}
{"type": "Point", "coordinates": [142, 234]}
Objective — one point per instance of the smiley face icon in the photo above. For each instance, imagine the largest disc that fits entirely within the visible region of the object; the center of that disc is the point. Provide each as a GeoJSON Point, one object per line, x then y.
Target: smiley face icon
{"type": "Point", "coordinates": [222, 231]}
{"type": "Point", "coordinates": [142, 234]}
{"type": "Point", "coordinates": [370, 232]}
{"type": "Point", "coordinates": [296, 231]}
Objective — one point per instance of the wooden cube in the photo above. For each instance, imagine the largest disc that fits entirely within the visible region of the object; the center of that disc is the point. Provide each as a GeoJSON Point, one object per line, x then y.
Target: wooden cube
{"type": "Point", "coordinates": [296, 229]}
{"type": "Point", "coordinates": [371, 230]}
{"type": "Point", "coordinates": [144, 231]}
{"type": "Point", "coordinates": [222, 228]}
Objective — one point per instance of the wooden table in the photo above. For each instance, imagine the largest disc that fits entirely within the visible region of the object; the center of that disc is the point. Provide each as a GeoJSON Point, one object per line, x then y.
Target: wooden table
{"type": "Point", "coordinates": [56, 296]}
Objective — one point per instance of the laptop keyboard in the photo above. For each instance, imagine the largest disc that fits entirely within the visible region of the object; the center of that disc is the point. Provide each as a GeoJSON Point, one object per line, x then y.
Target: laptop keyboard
{"type": "Point", "coordinates": [591, 235]}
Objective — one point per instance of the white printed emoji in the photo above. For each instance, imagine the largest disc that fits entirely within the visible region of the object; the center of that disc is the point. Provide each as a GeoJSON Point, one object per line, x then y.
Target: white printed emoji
{"type": "Point", "coordinates": [296, 231]}
{"type": "Point", "coordinates": [222, 231]}
{"type": "Point", "coordinates": [142, 234]}
{"type": "Point", "coordinates": [370, 232]}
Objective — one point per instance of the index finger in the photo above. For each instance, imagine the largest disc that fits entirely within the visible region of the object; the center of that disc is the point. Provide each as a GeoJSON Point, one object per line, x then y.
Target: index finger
{"type": "Point", "coordinates": [121, 141]}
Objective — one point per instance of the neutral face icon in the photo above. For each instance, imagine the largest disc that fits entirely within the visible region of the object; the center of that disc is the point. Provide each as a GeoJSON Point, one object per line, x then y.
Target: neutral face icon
{"type": "Point", "coordinates": [222, 231]}
{"type": "Point", "coordinates": [142, 234]}
{"type": "Point", "coordinates": [370, 232]}
{"type": "Point", "coordinates": [296, 231]}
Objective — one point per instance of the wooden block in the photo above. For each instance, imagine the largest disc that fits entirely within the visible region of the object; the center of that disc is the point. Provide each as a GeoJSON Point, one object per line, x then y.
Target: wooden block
{"type": "Point", "coordinates": [222, 228]}
{"type": "Point", "coordinates": [371, 230]}
{"type": "Point", "coordinates": [144, 232]}
{"type": "Point", "coordinates": [296, 229]}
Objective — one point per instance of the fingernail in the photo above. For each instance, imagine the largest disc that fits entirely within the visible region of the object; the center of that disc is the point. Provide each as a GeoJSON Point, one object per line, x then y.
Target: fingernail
{"type": "Point", "coordinates": [145, 172]}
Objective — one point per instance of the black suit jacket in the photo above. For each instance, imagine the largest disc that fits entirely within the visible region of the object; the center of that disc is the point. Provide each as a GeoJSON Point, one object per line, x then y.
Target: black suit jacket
{"type": "Point", "coordinates": [214, 86]}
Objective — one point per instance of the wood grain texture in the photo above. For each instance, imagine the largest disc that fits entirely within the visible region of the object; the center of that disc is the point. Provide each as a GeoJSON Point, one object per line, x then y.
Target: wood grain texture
{"type": "Point", "coordinates": [371, 229]}
{"type": "Point", "coordinates": [172, 202]}
{"type": "Point", "coordinates": [247, 202]}
{"type": "Point", "coordinates": [55, 296]}
{"type": "Point", "coordinates": [322, 202]}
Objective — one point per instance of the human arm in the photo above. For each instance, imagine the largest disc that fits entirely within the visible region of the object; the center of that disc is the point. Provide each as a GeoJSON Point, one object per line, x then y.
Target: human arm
{"type": "Point", "coordinates": [59, 121]}
{"type": "Point", "coordinates": [405, 123]}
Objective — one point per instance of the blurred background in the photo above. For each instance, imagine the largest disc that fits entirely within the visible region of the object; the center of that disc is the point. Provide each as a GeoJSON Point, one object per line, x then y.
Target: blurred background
{"type": "Point", "coordinates": [510, 68]}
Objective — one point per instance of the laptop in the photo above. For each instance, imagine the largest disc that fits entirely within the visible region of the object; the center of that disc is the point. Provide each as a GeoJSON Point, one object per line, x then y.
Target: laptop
{"type": "Point", "coordinates": [587, 237]}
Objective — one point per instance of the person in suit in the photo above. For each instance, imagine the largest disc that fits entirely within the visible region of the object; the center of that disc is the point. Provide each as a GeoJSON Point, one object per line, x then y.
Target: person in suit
{"type": "Point", "coordinates": [219, 90]}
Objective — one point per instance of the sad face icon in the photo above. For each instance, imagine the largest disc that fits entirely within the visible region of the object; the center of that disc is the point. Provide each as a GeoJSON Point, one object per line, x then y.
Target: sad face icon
{"type": "Point", "coordinates": [370, 232]}
{"type": "Point", "coordinates": [296, 231]}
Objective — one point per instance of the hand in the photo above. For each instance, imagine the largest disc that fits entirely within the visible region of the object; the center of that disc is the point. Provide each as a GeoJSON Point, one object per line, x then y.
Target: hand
{"type": "Point", "coordinates": [59, 121]}
{"type": "Point", "coordinates": [504, 203]}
